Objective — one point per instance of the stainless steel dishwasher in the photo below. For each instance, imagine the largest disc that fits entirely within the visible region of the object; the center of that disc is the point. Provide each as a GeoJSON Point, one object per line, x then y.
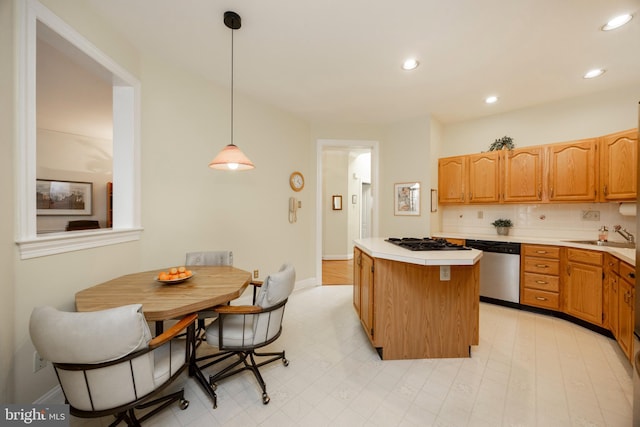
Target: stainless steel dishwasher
{"type": "Point", "coordinates": [499, 270]}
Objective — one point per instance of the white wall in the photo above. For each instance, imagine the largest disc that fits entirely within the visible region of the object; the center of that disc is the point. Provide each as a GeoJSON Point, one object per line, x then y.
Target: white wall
{"type": "Point", "coordinates": [335, 223]}
{"type": "Point", "coordinates": [185, 205]}
{"type": "Point", "coordinates": [7, 247]}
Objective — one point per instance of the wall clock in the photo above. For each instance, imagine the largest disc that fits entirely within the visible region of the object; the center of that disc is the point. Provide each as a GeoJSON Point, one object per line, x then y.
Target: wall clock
{"type": "Point", "coordinates": [296, 181]}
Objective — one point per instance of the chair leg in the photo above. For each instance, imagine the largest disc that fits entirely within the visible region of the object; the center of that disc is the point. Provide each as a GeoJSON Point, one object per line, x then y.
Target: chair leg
{"type": "Point", "coordinates": [247, 358]}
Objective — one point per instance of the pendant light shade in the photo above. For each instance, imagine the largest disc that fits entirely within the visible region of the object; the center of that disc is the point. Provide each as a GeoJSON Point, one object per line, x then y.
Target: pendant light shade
{"type": "Point", "coordinates": [231, 157]}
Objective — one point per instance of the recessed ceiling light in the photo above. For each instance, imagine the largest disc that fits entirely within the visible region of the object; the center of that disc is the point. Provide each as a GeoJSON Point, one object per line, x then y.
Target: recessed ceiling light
{"type": "Point", "coordinates": [617, 22]}
{"type": "Point", "coordinates": [491, 99]}
{"type": "Point", "coordinates": [410, 64]}
{"type": "Point", "coordinates": [594, 73]}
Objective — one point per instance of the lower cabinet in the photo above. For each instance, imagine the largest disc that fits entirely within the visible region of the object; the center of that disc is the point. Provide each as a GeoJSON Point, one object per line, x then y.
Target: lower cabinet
{"type": "Point", "coordinates": [540, 283]}
{"type": "Point", "coordinates": [583, 285]}
{"type": "Point", "coordinates": [626, 308]}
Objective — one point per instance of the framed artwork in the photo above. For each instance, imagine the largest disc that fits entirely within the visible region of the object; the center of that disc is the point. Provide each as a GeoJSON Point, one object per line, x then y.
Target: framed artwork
{"type": "Point", "coordinates": [407, 198]}
{"type": "Point", "coordinates": [63, 197]}
{"type": "Point", "coordinates": [337, 203]}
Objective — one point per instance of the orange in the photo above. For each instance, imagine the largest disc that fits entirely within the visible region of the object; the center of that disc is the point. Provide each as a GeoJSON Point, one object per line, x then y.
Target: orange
{"type": "Point", "coordinates": [181, 269]}
{"type": "Point", "coordinates": [173, 271]}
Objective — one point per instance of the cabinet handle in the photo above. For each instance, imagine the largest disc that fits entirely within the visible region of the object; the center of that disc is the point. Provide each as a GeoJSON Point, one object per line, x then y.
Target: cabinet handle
{"type": "Point", "coordinates": [552, 192]}
{"type": "Point", "coordinates": [541, 282]}
{"type": "Point", "coordinates": [541, 252]}
{"type": "Point", "coordinates": [604, 190]}
{"type": "Point", "coordinates": [470, 196]}
{"type": "Point", "coordinates": [541, 298]}
{"type": "Point", "coordinates": [631, 275]}
{"type": "Point", "coordinates": [542, 266]}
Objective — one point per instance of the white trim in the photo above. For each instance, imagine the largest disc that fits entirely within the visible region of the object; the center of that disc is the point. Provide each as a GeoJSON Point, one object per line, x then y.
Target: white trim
{"type": "Point", "coordinates": [321, 144]}
{"type": "Point", "coordinates": [126, 143]}
{"type": "Point", "coordinates": [346, 257]}
{"type": "Point", "coordinates": [56, 243]}
{"type": "Point", "coordinates": [53, 396]}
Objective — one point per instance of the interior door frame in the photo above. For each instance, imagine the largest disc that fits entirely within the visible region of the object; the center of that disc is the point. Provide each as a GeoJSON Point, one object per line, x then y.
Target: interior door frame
{"type": "Point", "coordinates": [321, 145]}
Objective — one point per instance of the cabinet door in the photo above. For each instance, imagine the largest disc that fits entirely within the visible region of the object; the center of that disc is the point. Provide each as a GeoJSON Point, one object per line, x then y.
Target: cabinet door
{"type": "Point", "coordinates": [523, 175]}
{"type": "Point", "coordinates": [614, 302]}
{"type": "Point", "coordinates": [452, 172]}
{"type": "Point", "coordinates": [626, 317]}
{"type": "Point", "coordinates": [357, 272]}
{"type": "Point", "coordinates": [366, 294]}
{"type": "Point", "coordinates": [584, 292]}
{"type": "Point", "coordinates": [484, 177]}
{"type": "Point", "coordinates": [618, 166]}
{"type": "Point", "coordinates": [572, 171]}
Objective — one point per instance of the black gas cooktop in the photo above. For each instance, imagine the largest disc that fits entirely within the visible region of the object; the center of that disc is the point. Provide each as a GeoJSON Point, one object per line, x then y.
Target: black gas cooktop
{"type": "Point", "coordinates": [425, 244]}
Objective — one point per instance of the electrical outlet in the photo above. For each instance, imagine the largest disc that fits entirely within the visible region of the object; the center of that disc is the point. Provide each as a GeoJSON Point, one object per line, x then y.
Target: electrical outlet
{"type": "Point", "coordinates": [445, 273]}
{"type": "Point", "coordinates": [256, 274]}
{"type": "Point", "coordinates": [480, 214]}
{"type": "Point", "coordinates": [591, 215]}
{"type": "Point", "coordinates": [38, 362]}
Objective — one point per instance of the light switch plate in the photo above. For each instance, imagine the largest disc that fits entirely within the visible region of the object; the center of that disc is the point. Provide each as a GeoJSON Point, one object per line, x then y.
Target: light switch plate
{"type": "Point", "coordinates": [445, 273]}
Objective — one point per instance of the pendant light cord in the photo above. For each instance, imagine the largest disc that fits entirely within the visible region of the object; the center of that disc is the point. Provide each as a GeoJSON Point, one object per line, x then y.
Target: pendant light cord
{"type": "Point", "coordinates": [232, 31]}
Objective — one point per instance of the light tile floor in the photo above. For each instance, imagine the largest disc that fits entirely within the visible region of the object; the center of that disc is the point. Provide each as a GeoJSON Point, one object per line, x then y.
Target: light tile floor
{"type": "Point", "coordinates": [529, 370]}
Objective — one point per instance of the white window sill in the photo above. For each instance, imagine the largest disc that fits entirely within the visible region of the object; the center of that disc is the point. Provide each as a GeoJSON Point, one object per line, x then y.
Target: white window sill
{"type": "Point", "coordinates": [57, 243]}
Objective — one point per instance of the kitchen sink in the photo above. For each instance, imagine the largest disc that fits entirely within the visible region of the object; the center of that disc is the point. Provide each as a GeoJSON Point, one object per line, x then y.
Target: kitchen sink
{"type": "Point", "coordinates": [609, 244]}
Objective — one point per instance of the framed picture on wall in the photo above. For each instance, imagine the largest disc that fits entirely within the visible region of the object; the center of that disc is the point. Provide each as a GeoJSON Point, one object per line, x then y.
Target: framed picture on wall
{"type": "Point", "coordinates": [63, 197]}
{"type": "Point", "coordinates": [407, 198]}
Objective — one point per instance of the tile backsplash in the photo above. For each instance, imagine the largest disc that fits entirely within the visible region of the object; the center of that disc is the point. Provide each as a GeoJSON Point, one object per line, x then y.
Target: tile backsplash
{"type": "Point", "coordinates": [562, 221]}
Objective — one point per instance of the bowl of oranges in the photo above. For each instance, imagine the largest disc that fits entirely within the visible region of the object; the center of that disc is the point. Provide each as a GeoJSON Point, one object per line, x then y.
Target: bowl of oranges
{"type": "Point", "coordinates": [174, 275]}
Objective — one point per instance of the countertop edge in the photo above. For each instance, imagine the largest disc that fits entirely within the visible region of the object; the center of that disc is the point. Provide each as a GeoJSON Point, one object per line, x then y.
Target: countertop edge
{"type": "Point", "coordinates": [626, 255]}
{"type": "Point", "coordinates": [377, 247]}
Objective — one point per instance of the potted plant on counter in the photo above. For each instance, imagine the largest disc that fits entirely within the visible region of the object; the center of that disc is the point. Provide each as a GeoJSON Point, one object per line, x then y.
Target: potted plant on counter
{"type": "Point", "coordinates": [502, 226]}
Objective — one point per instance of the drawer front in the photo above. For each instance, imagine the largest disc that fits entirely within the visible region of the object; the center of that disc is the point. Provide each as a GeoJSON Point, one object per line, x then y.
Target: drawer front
{"type": "Point", "coordinates": [541, 251]}
{"type": "Point", "coordinates": [585, 256]}
{"type": "Point", "coordinates": [542, 265]}
{"type": "Point", "coordinates": [543, 282]}
{"type": "Point", "coordinates": [612, 263]}
{"type": "Point", "coordinates": [628, 273]}
{"type": "Point", "coordinates": [540, 298]}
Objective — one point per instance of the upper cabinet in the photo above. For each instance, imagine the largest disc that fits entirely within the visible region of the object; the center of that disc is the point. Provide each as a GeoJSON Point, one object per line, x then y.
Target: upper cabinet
{"type": "Point", "coordinates": [591, 170]}
{"type": "Point", "coordinates": [452, 179]}
{"type": "Point", "coordinates": [484, 177]}
{"type": "Point", "coordinates": [523, 174]}
{"type": "Point", "coordinates": [573, 171]}
{"type": "Point", "coordinates": [618, 170]}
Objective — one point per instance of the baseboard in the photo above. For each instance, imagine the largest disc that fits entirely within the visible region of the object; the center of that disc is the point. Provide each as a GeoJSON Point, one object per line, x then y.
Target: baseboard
{"type": "Point", "coordinates": [337, 257]}
{"type": "Point", "coordinates": [54, 395]}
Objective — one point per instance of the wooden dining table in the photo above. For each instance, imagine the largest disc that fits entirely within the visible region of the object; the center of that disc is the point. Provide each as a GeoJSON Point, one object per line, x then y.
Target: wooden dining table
{"type": "Point", "coordinates": [209, 286]}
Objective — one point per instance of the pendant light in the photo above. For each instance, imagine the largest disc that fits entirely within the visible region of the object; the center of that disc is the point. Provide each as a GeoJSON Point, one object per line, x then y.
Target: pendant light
{"type": "Point", "coordinates": [231, 157]}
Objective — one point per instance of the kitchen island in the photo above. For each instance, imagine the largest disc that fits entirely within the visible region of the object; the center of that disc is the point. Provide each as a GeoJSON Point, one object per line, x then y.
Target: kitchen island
{"type": "Point", "coordinates": [417, 304]}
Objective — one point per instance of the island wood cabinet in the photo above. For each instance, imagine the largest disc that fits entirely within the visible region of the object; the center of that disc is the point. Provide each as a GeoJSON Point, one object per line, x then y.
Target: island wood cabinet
{"type": "Point", "coordinates": [540, 281]}
{"type": "Point", "coordinates": [583, 278]}
{"type": "Point", "coordinates": [409, 312]}
{"type": "Point", "coordinates": [452, 179]}
{"type": "Point", "coordinates": [573, 170]}
{"type": "Point", "coordinates": [523, 171]}
{"type": "Point", "coordinates": [618, 166]}
{"type": "Point", "coordinates": [363, 290]}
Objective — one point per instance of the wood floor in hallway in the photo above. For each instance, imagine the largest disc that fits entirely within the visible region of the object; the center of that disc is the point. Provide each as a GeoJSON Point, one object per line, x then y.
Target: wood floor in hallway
{"type": "Point", "coordinates": [337, 272]}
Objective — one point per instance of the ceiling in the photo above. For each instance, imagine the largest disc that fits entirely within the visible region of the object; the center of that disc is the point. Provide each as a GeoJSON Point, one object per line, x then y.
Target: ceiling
{"type": "Point", "coordinates": [339, 61]}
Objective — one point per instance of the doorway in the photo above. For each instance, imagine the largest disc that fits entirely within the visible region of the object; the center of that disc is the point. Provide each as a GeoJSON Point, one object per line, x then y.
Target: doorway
{"type": "Point", "coordinates": [348, 169]}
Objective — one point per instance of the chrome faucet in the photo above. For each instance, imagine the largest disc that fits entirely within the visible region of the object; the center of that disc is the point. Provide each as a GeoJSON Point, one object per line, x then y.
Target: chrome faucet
{"type": "Point", "coordinates": [624, 233]}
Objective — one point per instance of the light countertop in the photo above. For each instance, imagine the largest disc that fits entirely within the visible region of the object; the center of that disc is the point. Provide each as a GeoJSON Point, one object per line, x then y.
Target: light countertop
{"type": "Point", "coordinates": [378, 248]}
{"type": "Point", "coordinates": [626, 255]}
